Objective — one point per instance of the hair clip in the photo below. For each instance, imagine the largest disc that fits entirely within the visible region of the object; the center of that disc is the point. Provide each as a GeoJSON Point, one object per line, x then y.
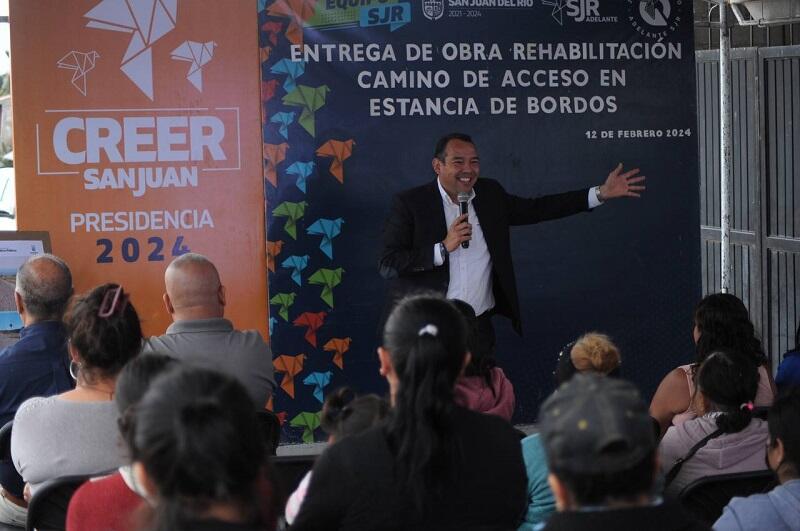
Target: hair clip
{"type": "Point", "coordinates": [109, 304]}
{"type": "Point", "coordinates": [428, 329]}
{"type": "Point", "coordinates": [747, 405]}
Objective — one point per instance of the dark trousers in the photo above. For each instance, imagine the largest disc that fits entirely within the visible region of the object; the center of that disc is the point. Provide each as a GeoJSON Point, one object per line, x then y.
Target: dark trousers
{"type": "Point", "coordinates": [486, 337]}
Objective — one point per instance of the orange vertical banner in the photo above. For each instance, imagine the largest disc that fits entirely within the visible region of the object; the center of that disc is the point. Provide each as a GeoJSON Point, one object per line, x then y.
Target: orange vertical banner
{"type": "Point", "coordinates": [137, 138]}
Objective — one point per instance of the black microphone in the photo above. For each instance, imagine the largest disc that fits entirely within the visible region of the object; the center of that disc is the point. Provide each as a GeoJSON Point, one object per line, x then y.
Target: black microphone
{"type": "Point", "coordinates": [463, 204]}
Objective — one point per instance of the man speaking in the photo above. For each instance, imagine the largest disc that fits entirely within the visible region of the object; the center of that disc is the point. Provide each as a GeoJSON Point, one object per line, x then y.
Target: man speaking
{"type": "Point", "coordinates": [429, 244]}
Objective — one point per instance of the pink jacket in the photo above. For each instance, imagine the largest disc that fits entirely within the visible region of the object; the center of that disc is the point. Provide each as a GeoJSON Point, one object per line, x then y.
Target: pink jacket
{"type": "Point", "coordinates": [472, 393]}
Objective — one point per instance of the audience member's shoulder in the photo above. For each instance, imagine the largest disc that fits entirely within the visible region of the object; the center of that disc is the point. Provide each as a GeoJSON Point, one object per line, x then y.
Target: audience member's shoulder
{"type": "Point", "coordinates": [35, 403]}
{"type": "Point", "coordinates": [483, 423]}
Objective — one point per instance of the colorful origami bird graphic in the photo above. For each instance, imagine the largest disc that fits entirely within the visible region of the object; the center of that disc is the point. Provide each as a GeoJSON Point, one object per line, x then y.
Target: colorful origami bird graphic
{"type": "Point", "coordinates": [328, 229]}
{"type": "Point", "coordinates": [314, 322]}
{"type": "Point", "coordinates": [338, 346]}
{"type": "Point", "coordinates": [292, 69]}
{"type": "Point", "coordinates": [298, 11]}
{"type": "Point", "coordinates": [292, 212]}
{"type": "Point", "coordinates": [197, 53]}
{"type": "Point", "coordinates": [302, 170]}
{"type": "Point", "coordinates": [339, 150]}
{"type": "Point", "coordinates": [291, 366]}
{"type": "Point", "coordinates": [296, 264]}
{"type": "Point", "coordinates": [328, 279]}
{"type": "Point", "coordinates": [272, 322]}
{"type": "Point", "coordinates": [319, 380]}
{"type": "Point", "coordinates": [284, 301]}
{"type": "Point", "coordinates": [263, 53]}
{"type": "Point", "coordinates": [272, 29]}
{"type": "Point", "coordinates": [310, 100]}
{"type": "Point", "coordinates": [274, 154]}
{"type": "Point", "coordinates": [309, 422]}
{"type": "Point", "coordinates": [284, 120]}
{"type": "Point", "coordinates": [147, 21]}
{"type": "Point", "coordinates": [81, 64]}
{"type": "Point", "coordinates": [273, 250]}
{"type": "Point", "coordinates": [268, 89]}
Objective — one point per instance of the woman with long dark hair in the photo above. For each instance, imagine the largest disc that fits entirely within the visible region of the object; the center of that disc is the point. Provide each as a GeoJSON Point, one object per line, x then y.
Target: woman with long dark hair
{"type": "Point", "coordinates": [725, 438]}
{"type": "Point", "coordinates": [434, 464]}
{"type": "Point", "coordinates": [198, 451]}
{"type": "Point", "coordinates": [721, 321]}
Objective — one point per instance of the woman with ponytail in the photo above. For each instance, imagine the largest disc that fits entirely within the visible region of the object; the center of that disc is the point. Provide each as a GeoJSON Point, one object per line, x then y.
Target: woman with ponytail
{"type": "Point", "coordinates": [725, 438]}
{"type": "Point", "coordinates": [75, 433]}
{"type": "Point", "coordinates": [199, 454]}
{"type": "Point", "coordinates": [433, 465]}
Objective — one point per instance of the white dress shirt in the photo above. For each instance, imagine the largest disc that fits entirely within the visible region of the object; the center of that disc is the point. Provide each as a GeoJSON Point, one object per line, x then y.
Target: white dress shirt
{"type": "Point", "coordinates": [471, 268]}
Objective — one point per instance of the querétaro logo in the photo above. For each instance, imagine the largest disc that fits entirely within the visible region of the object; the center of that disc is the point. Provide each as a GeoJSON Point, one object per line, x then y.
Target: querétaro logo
{"type": "Point", "coordinates": [655, 19]}
{"type": "Point", "coordinates": [433, 9]}
{"type": "Point", "coordinates": [655, 12]}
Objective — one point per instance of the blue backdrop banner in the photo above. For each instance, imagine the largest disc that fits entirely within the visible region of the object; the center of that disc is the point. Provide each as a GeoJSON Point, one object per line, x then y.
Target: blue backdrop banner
{"type": "Point", "coordinates": [555, 94]}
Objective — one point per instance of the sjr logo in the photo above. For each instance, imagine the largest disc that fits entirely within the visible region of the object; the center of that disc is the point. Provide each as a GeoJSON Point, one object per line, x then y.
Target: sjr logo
{"type": "Point", "coordinates": [580, 10]}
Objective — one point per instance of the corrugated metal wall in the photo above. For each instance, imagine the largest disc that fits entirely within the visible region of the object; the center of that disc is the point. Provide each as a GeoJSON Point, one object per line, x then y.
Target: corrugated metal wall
{"type": "Point", "coordinates": [766, 185]}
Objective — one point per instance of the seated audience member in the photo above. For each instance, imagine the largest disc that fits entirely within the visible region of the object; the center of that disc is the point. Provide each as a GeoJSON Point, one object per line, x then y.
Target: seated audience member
{"type": "Point", "coordinates": [108, 503]}
{"type": "Point", "coordinates": [725, 438]}
{"type": "Point", "coordinates": [721, 321]}
{"type": "Point", "coordinates": [592, 353]}
{"type": "Point", "coordinates": [343, 415]}
{"type": "Point", "coordinates": [483, 387]}
{"type": "Point", "coordinates": [779, 509]}
{"type": "Point", "coordinates": [75, 433]}
{"type": "Point", "coordinates": [433, 465]}
{"type": "Point", "coordinates": [199, 452]}
{"type": "Point", "coordinates": [601, 450]}
{"type": "Point", "coordinates": [199, 334]}
{"type": "Point", "coordinates": [788, 375]}
{"type": "Point", "coordinates": [37, 364]}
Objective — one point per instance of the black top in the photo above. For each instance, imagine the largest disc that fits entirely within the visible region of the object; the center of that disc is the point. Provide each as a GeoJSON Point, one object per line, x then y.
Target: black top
{"type": "Point", "coordinates": [663, 517]}
{"type": "Point", "coordinates": [354, 487]}
{"type": "Point", "coordinates": [416, 223]}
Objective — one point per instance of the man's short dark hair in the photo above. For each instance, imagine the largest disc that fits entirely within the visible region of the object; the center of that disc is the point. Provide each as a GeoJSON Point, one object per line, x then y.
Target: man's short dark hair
{"type": "Point", "coordinates": [622, 485]}
{"type": "Point", "coordinates": [441, 144]}
{"type": "Point", "coordinates": [45, 296]}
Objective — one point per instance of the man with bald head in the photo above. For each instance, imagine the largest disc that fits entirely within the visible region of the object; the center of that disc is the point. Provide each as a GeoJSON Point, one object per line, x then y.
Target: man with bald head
{"type": "Point", "coordinates": [201, 336]}
{"type": "Point", "coordinates": [37, 364]}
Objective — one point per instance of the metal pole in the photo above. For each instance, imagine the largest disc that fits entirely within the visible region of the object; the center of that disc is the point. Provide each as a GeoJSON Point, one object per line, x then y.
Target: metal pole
{"type": "Point", "coordinates": [725, 143]}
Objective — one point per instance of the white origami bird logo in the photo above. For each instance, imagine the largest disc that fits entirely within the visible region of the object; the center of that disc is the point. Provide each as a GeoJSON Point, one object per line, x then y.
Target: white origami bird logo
{"type": "Point", "coordinates": [198, 54]}
{"type": "Point", "coordinates": [81, 64]}
{"type": "Point", "coordinates": [148, 21]}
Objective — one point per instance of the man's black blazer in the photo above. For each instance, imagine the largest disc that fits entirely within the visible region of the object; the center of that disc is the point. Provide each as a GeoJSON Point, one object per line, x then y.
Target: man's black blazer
{"type": "Point", "coordinates": [416, 223]}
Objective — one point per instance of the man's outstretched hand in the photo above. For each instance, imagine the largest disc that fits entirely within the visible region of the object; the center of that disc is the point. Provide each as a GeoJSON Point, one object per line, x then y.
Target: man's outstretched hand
{"type": "Point", "coordinates": [619, 184]}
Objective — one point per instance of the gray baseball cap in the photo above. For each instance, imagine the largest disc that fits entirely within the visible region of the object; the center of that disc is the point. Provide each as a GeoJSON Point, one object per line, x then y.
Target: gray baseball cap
{"type": "Point", "coordinates": [594, 424]}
